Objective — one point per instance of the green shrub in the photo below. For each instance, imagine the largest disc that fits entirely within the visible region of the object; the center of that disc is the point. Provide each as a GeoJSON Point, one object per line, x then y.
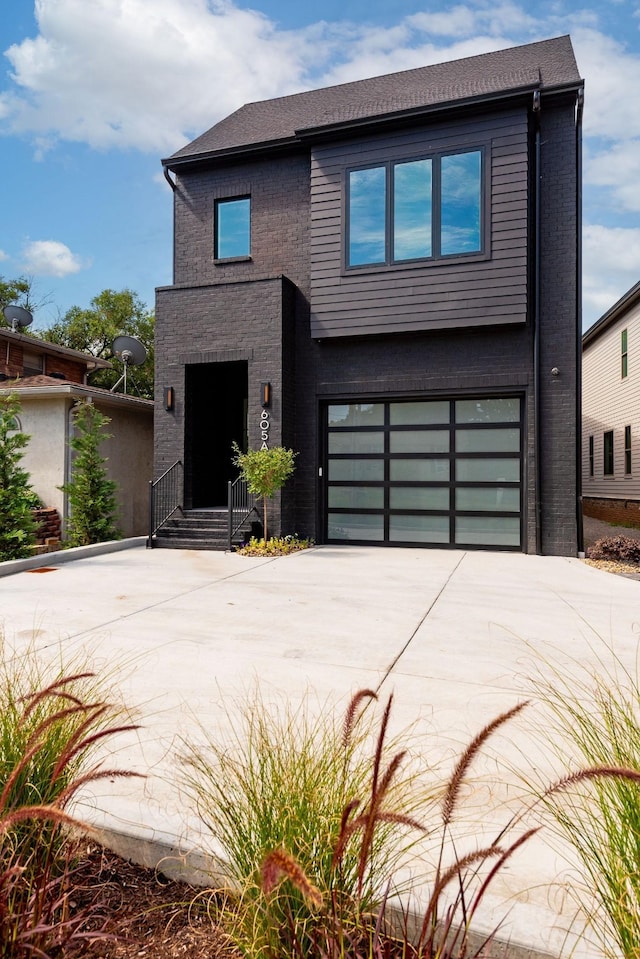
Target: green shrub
{"type": "Point", "coordinates": [91, 494]}
{"type": "Point", "coordinates": [17, 526]}
{"type": "Point", "coordinates": [622, 548]}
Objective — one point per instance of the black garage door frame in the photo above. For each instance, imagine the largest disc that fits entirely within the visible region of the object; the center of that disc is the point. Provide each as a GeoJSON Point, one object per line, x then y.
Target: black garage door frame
{"type": "Point", "coordinates": [423, 470]}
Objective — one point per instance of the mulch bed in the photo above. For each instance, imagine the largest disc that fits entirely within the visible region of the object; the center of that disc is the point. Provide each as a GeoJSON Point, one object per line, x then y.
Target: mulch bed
{"type": "Point", "coordinates": [148, 915]}
{"type": "Point", "coordinates": [616, 566]}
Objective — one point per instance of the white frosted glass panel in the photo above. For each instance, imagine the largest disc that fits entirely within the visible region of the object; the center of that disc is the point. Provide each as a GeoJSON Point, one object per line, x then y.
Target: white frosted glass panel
{"type": "Point", "coordinates": [353, 526]}
{"type": "Point", "coordinates": [419, 529]}
{"type": "Point", "coordinates": [355, 497]}
{"type": "Point", "coordinates": [356, 414]}
{"type": "Point", "coordinates": [419, 441]}
{"type": "Point", "coordinates": [356, 442]}
{"type": "Point", "coordinates": [488, 530]}
{"type": "Point", "coordinates": [356, 470]}
{"type": "Point", "coordinates": [497, 498]}
{"type": "Point", "coordinates": [422, 413]}
{"type": "Point", "coordinates": [489, 441]}
{"type": "Point", "coordinates": [488, 470]}
{"type": "Point", "coordinates": [422, 497]}
{"type": "Point", "coordinates": [419, 471]}
{"type": "Point", "coordinates": [488, 411]}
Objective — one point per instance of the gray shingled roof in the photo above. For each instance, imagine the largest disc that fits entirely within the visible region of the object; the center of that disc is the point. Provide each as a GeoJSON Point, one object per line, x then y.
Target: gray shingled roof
{"type": "Point", "coordinates": [548, 64]}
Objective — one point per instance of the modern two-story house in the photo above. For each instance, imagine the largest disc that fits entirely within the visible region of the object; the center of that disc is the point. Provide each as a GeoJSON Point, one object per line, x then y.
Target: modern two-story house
{"type": "Point", "coordinates": [384, 276]}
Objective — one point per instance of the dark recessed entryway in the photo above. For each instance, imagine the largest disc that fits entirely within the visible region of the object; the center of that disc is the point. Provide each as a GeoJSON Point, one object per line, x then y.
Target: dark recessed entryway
{"type": "Point", "coordinates": [215, 418]}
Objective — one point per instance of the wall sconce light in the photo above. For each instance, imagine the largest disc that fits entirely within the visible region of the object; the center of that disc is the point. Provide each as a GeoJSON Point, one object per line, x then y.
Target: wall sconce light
{"type": "Point", "coordinates": [168, 398]}
{"type": "Point", "coordinates": [265, 393]}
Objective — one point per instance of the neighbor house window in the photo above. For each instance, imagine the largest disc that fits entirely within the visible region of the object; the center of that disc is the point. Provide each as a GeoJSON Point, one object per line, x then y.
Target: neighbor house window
{"type": "Point", "coordinates": [232, 228]}
{"type": "Point", "coordinates": [608, 453]}
{"type": "Point", "coordinates": [591, 456]}
{"type": "Point", "coordinates": [627, 449]}
{"type": "Point", "coordinates": [415, 209]}
{"type": "Point", "coordinates": [32, 363]}
{"type": "Point", "coordinates": [624, 369]}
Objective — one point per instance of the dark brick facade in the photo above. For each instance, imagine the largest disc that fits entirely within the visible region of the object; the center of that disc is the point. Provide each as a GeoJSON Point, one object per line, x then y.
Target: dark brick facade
{"type": "Point", "coordinates": [257, 311]}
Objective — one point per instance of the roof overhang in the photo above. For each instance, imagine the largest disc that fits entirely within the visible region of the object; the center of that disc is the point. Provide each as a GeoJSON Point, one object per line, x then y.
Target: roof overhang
{"type": "Point", "coordinates": [360, 125]}
{"type": "Point", "coordinates": [77, 391]}
{"type": "Point", "coordinates": [622, 306]}
{"type": "Point", "coordinates": [36, 345]}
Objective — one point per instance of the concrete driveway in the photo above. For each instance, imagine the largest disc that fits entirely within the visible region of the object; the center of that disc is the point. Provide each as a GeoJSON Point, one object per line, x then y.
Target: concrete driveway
{"type": "Point", "coordinates": [457, 636]}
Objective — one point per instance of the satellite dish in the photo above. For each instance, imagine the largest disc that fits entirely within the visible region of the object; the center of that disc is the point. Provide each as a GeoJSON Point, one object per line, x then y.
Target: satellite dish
{"type": "Point", "coordinates": [131, 352]}
{"type": "Point", "coordinates": [17, 316]}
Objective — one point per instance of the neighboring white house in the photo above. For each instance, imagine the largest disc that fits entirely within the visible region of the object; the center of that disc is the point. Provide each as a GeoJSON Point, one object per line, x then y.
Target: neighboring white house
{"type": "Point", "coordinates": [611, 413]}
{"type": "Point", "coordinates": [49, 380]}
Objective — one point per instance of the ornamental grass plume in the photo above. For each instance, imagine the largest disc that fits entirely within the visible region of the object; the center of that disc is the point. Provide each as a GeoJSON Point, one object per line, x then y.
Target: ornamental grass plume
{"type": "Point", "coordinates": [50, 732]}
{"type": "Point", "coordinates": [595, 724]}
{"type": "Point", "coordinates": [315, 819]}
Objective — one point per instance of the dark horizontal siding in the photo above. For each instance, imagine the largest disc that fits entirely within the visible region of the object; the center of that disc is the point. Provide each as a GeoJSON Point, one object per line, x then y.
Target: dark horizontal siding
{"type": "Point", "coordinates": [429, 295]}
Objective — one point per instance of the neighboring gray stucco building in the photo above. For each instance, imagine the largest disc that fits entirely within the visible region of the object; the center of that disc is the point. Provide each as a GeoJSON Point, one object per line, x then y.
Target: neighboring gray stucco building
{"type": "Point", "coordinates": [398, 258]}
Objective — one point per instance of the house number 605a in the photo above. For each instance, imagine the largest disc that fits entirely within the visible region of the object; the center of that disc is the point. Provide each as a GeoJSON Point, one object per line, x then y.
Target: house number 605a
{"type": "Point", "coordinates": [264, 429]}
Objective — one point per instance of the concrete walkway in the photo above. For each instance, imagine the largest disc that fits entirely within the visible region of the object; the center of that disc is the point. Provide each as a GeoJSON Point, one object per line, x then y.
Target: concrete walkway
{"type": "Point", "coordinates": [457, 636]}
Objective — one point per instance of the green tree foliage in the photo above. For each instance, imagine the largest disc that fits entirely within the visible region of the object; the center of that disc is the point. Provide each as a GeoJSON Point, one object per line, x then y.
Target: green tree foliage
{"type": "Point", "coordinates": [93, 331]}
{"type": "Point", "coordinates": [265, 472]}
{"type": "Point", "coordinates": [91, 494]}
{"type": "Point", "coordinates": [15, 292]}
{"type": "Point", "coordinates": [17, 527]}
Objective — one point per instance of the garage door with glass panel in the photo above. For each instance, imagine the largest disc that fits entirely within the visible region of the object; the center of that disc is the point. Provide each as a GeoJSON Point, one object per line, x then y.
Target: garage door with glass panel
{"type": "Point", "coordinates": [443, 472]}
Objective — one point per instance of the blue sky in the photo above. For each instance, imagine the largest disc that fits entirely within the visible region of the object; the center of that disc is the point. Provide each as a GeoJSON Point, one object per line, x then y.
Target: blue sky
{"type": "Point", "coordinates": [94, 92]}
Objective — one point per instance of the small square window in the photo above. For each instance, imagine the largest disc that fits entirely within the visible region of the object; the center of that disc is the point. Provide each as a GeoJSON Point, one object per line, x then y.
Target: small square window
{"type": "Point", "coordinates": [232, 228]}
{"type": "Point", "coordinates": [608, 453]}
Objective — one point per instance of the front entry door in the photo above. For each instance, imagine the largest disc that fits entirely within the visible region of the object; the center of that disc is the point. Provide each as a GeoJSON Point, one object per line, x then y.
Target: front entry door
{"type": "Point", "coordinates": [216, 417]}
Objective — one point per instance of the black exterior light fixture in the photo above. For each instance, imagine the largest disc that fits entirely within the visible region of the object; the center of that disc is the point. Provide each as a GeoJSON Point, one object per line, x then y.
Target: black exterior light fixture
{"type": "Point", "coordinates": [168, 396]}
{"type": "Point", "coordinates": [265, 393]}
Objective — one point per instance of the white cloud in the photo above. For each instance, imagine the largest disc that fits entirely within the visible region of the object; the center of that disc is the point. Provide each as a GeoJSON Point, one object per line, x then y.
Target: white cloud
{"type": "Point", "coordinates": [612, 73]}
{"type": "Point", "coordinates": [50, 258]}
{"type": "Point", "coordinates": [151, 74]}
{"type": "Point", "coordinates": [145, 73]}
{"type": "Point", "coordinates": [611, 256]}
{"type": "Point", "coordinates": [618, 168]}
{"type": "Point", "coordinates": [3, 256]}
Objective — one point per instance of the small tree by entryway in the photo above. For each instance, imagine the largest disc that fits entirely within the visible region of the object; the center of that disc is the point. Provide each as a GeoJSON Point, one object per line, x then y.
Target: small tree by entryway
{"type": "Point", "coordinates": [265, 472]}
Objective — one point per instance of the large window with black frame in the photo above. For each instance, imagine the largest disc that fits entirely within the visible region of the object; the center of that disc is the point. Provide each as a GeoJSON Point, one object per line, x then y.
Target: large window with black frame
{"type": "Point", "coordinates": [440, 472]}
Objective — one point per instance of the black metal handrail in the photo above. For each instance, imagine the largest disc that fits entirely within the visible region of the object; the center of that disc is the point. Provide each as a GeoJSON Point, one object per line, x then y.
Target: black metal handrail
{"type": "Point", "coordinates": [165, 498]}
{"type": "Point", "coordinates": [241, 504]}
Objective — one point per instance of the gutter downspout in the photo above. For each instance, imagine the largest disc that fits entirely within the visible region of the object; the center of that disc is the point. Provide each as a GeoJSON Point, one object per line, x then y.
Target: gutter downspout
{"type": "Point", "coordinates": [536, 323]}
{"type": "Point", "coordinates": [579, 521]}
